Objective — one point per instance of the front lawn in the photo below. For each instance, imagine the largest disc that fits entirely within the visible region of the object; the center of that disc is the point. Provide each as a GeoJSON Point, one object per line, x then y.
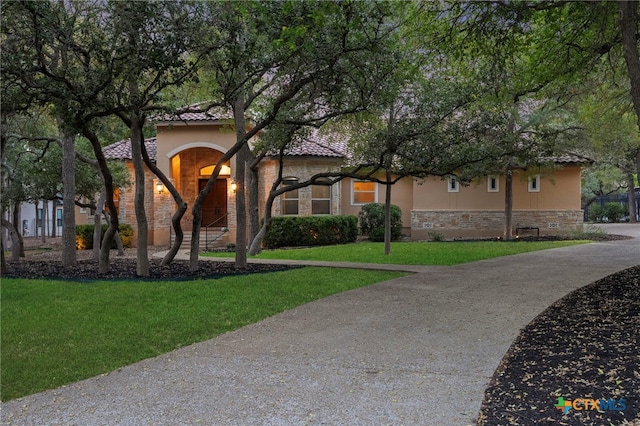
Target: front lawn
{"type": "Point", "coordinates": [58, 332]}
{"type": "Point", "coordinates": [412, 253]}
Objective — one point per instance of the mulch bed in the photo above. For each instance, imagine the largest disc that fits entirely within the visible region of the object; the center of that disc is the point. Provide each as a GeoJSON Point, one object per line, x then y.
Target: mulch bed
{"type": "Point", "coordinates": [125, 268]}
{"type": "Point", "coordinates": [585, 346]}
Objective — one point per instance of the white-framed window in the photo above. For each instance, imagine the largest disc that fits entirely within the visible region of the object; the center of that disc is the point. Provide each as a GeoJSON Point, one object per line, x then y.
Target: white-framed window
{"type": "Point", "coordinates": [363, 192]}
{"type": "Point", "coordinates": [290, 199]}
{"type": "Point", "coordinates": [452, 184]}
{"type": "Point", "coordinates": [321, 197]}
{"type": "Point", "coordinates": [534, 183]}
{"type": "Point", "coordinates": [493, 184]}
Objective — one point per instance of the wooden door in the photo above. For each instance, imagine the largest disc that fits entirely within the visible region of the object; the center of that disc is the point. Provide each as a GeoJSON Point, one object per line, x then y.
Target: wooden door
{"type": "Point", "coordinates": [214, 208]}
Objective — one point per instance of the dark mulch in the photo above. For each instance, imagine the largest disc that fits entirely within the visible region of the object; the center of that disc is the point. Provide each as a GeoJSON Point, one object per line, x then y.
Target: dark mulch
{"type": "Point", "coordinates": [125, 268]}
{"type": "Point", "coordinates": [586, 345]}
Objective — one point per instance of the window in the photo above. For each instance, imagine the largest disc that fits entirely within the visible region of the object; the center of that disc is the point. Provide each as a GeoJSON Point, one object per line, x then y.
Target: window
{"type": "Point", "coordinates": [363, 192]}
{"type": "Point", "coordinates": [534, 183]}
{"type": "Point", "coordinates": [452, 184]}
{"type": "Point", "coordinates": [321, 197]}
{"type": "Point", "coordinates": [493, 184]}
{"type": "Point", "coordinates": [59, 218]}
{"type": "Point", "coordinates": [289, 199]}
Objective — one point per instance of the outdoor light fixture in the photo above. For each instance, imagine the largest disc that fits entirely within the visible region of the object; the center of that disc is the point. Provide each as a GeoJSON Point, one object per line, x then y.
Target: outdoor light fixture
{"type": "Point", "coordinates": [233, 186]}
{"type": "Point", "coordinates": [159, 187]}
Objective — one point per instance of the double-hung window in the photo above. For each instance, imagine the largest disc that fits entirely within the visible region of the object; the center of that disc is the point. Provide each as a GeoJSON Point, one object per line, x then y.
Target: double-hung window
{"type": "Point", "coordinates": [290, 199]}
{"type": "Point", "coordinates": [321, 197]}
{"type": "Point", "coordinates": [363, 192]}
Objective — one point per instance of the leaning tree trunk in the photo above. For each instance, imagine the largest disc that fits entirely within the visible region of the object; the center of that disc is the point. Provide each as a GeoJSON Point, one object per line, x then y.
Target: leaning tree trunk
{"type": "Point", "coordinates": [177, 216]}
{"type": "Point", "coordinates": [68, 201]}
{"type": "Point", "coordinates": [508, 205]}
{"type": "Point", "coordinates": [105, 246]}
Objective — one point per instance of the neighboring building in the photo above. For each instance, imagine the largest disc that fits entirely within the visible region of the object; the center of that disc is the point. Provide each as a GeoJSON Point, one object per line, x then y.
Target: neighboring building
{"type": "Point", "coordinates": [187, 149]}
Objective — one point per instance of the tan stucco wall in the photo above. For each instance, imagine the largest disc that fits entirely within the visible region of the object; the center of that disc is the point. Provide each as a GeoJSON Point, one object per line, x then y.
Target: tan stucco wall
{"type": "Point", "coordinates": [401, 195]}
{"type": "Point", "coordinates": [559, 190]}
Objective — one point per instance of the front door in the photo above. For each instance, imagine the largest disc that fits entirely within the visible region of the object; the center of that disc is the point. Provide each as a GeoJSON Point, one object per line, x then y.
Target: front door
{"type": "Point", "coordinates": [214, 208]}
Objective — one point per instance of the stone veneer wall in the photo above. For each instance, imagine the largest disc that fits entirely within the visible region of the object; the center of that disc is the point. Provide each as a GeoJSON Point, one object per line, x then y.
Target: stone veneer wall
{"type": "Point", "coordinates": [303, 169]}
{"type": "Point", "coordinates": [490, 223]}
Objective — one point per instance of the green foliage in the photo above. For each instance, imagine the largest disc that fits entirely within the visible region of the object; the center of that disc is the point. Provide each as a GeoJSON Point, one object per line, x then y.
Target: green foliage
{"type": "Point", "coordinates": [371, 219]}
{"type": "Point", "coordinates": [84, 236]}
{"type": "Point", "coordinates": [615, 211]}
{"type": "Point", "coordinates": [296, 231]}
{"type": "Point", "coordinates": [119, 323]}
{"type": "Point", "coordinates": [611, 212]}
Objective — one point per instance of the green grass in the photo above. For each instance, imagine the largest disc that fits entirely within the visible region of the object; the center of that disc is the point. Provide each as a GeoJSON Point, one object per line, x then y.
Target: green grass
{"type": "Point", "coordinates": [57, 332]}
{"type": "Point", "coordinates": [412, 253]}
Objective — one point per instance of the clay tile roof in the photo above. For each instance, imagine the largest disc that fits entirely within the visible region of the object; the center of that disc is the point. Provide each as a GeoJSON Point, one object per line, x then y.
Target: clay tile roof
{"type": "Point", "coordinates": [212, 114]}
{"type": "Point", "coordinates": [122, 150]}
{"type": "Point", "coordinates": [570, 158]}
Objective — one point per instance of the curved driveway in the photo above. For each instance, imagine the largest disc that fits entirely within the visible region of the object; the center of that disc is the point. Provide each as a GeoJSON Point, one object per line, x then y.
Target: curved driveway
{"type": "Point", "coordinates": [418, 350]}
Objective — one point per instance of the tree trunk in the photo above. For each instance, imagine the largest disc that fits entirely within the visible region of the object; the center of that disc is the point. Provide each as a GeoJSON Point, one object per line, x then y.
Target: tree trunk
{"type": "Point", "coordinates": [97, 224]}
{"type": "Point", "coordinates": [43, 220]}
{"type": "Point", "coordinates": [387, 215]}
{"type": "Point", "coordinates": [35, 222]}
{"type": "Point", "coordinates": [142, 268]}
{"type": "Point", "coordinates": [54, 217]}
{"type": "Point", "coordinates": [68, 200]}
{"type": "Point", "coordinates": [628, 28]}
{"type": "Point", "coordinates": [105, 246]}
{"type": "Point", "coordinates": [256, 243]}
{"type": "Point", "coordinates": [508, 205]}
{"type": "Point", "coordinates": [254, 199]}
{"type": "Point", "coordinates": [633, 212]}
{"type": "Point", "coordinates": [177, 216]}
{"type": "Point", "coordinates": [3, 260]}
{"type": "Point", "coordinates": [242, 157]}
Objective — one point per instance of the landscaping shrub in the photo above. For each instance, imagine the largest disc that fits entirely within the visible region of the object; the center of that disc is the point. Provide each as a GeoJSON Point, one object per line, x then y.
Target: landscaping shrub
{"type": "Point", "coordinates": [372, 221]}
{"type": "Point", "coordinates": [84, 236]}
{"type": "Point", "coordinates": [596, 213]}
{"type": "Point", "coordinates": [615, 211]}
{"type": "Point", "coordinates": [297, 231]}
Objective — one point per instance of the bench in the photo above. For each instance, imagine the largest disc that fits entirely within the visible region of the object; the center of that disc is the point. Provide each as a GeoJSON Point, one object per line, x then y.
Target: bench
{"type": "Point", "coordinates": [528, 228]}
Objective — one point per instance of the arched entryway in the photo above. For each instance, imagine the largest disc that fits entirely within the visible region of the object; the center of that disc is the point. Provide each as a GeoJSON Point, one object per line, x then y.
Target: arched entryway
{"type": "Point", "coordinates": [214, 208]}
{"type": "Point", "coordinates": [191, 169]}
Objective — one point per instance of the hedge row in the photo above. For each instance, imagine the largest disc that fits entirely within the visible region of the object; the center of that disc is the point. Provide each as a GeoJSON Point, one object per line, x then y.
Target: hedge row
{"type": "Point", "coordinates": [297, 231]}
{"type": "Point", "coordinates": [372, 221]}
{"type": "Point", "coordinates": [84, 236]}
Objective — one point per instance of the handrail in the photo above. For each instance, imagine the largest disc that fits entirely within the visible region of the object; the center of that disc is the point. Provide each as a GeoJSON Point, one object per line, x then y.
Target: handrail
{"type": "Point", "coordinates": [224, 216]}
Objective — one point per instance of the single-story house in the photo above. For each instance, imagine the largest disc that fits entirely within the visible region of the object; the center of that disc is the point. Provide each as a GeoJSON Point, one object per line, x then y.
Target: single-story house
{"type": "Point", "coordinates": [186, 149]}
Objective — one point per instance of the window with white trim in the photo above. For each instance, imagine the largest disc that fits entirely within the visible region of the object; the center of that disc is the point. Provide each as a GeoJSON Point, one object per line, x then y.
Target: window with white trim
{"type": "Point", "coordinates": [534, 183]}
{"type": "Point", "coordinates": [289, 200]}
{"type": "Point", "coordinates": [363, 192]}
{"type": "Point", "coordinates": [493, 184]}
{"type": "Point", "coordinates": [452, 184]}
{"type": "Point", "coordinates": [321, 197]}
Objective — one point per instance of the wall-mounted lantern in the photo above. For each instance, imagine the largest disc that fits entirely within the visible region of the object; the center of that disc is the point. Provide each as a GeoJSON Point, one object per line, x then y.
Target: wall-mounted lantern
{"type": "Point", "coordinates": [159, 187]}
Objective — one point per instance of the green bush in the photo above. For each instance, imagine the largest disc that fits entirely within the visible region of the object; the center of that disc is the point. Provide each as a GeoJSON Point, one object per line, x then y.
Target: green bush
{"type": "Point", "coordinates": [297, 231]}
{"type": "Point", "coordinates": [615, 211]}
{"type": "Point", "coordinates": [84, 236]}
{"type": "Point", "coordinates": [596, 213]}
{"type": "Point", "coordinates": [371, 218]}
